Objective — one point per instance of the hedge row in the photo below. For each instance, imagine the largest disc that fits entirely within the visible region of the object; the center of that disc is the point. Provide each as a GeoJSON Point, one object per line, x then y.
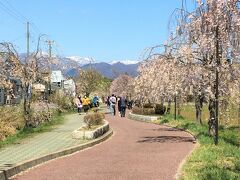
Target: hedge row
{"type": "Point", "coordinates": [150, 109]}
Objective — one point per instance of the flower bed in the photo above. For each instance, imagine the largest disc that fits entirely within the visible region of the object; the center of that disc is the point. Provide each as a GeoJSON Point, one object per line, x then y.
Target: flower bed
{"type": "Point", "coordinates": [84, 133]}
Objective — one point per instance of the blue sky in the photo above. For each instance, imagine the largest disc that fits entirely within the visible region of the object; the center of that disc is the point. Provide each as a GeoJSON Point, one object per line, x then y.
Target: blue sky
{"type": "Point", "coordinates": [104, 29]}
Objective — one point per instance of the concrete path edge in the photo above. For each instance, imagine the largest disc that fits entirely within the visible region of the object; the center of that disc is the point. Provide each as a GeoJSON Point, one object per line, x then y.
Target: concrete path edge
{"type": "Point", "coordinates": [5, 174]}
{"type": "Point", "coordinates": [178, 175]}
{"type": "Point", "coordinates": [143, 118]}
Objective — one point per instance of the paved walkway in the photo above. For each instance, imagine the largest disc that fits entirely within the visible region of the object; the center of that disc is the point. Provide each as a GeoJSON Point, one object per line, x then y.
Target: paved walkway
{"type": "Point", "coordinates": [42, 144]}
{"type": "Point", "coordinates": [137, 150]}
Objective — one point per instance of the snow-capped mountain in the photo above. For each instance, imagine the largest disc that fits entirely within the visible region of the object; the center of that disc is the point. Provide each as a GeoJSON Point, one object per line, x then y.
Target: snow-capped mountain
{"type": "Point", "coordinates": [80, 60]}
{"type": "Point", "coordinates": [126, 62]}
{"type": "Point", "coordinates": [71, 65]}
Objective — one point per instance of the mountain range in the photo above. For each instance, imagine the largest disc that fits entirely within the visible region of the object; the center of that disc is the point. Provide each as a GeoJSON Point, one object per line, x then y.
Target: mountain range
{"type": "Point", "coordinates": [71, 66]}
{"type": "Point", "coordinates": [113, 70]}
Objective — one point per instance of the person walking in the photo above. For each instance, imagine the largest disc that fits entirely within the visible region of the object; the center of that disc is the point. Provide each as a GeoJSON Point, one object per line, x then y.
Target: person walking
{"type": "Point", "coordinates": [95, 101]}
{"type": "Point", "coordinates": [79, 105]}
{"type": "Point", "coordinates": [108, 102]}
{"type": "Point", "coordinates": [113, 101]}
{"type": "Point", "coordinates": [119, 105]}
{"type": "Point", "coordinates": [85, 104]}
{"type": "Point", "coordinates": [123, 106]}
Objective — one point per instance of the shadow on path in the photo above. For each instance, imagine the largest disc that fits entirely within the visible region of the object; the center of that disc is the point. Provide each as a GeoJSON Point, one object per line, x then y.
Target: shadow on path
{"type": "Point", "coordinates": [165, 139]}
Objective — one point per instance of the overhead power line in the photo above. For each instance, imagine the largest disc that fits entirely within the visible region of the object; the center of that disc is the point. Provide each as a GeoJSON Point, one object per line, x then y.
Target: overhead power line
{"type": "Point", "coordinates": [11, 13]}
{"type": "Point", "coordinates": [18, 13]}
{"type": "Point", "coordinates": [8, 8]}
{"type": "Point", "coordinates": [18, 16]}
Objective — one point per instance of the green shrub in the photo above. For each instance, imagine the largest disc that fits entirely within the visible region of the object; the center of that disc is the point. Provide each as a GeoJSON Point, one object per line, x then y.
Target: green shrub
{"type": "Point", "coordinates": [160, 109]}
{"type": "Point", "coordinates": [137, 103]}
{"type": "Point", "coordinates": [94, 119]}
{"type": "Point", "coordinates": [190, 98]}
{"type": "Point", "coordinates": [143, 111]}
{"type": "Point", "coordinates": [136, 110]}
{"type": "Point", "coordinates": [39, 117]}
{"type": "Point", "coordinates": [95, 109]}
{"type": "Point", "coordinates": [6, 130]}
{"type": "Point", "coordinates": [148, 111]}
{"type": "Point", "coordinates": [148, 105]}
{"type": "Point", "coordinates": [164, 121]}
{"type": "Point", "coordinates": [64, 102]}
{"type": "Point", "coordinates": [11, 120]}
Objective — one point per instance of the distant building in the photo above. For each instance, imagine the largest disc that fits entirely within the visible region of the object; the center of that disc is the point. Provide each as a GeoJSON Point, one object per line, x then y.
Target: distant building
{"type": "Point", "coordinates": [39, 87]}
{"type": "Point", "coordinates": [69, 87]}
{"type": "Point", "coordinates": [40, 90]}
{"type": "Point", "coordinates": [57, 80]}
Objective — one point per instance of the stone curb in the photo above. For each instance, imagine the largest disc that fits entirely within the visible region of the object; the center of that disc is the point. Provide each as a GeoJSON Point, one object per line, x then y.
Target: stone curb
{"type": "Point", "coordinates": [147, 121]}
{"type": "Point", "coordinates": [143, 118]}
{"type": "Point", "coordinates": [197, 144]}
{"type": "Point", "coordinates": [5, 174]}
{"type": "Point", "coordinates": [178, 175]}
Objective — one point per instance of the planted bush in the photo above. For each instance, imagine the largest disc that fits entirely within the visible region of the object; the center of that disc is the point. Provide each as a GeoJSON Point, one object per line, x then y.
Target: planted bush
{"type": "Point", "coordinates": [11, 120]}
{"type": "Point", "coordinates": [148, 105]}
{"type": "Point", "coordinates": [160, 109]}
{"type": "Point", "coordinates": [93, 119]}
{"type": "Point", "coordinates": [143, 111]}
{"type": "Point", "coordinates": [64, 102]}
{"type": "Point", "coordinates": [39, 117]}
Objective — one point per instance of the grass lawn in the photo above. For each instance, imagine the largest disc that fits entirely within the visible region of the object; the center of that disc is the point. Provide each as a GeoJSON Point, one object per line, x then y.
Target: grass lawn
{"type": "Point", "coordinates": [208, 161]}
{"type": "Point", "coordinates": [188, 112]}
{"type": "Point", "coordinates": [56, 119]}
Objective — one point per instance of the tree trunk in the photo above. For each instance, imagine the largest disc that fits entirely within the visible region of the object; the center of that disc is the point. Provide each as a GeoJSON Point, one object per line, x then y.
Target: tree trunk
{"type": "Point", "coordinates": [27, 104]}
{"type": "Point", "coordinates": [169, 106]}
{"type": "Point", "coordinates": [239, 114]}
{"type": "Point", "coordinates": [218, 63]}
{"type": "Point", "coordinates": [178, 105]}
{"type": "Point", "coordinates": [212, 118]}
{"type": "Point", "coordinates": [198, 105]}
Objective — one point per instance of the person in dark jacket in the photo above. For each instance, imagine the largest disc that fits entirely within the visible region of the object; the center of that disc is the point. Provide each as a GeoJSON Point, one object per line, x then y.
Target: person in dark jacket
{"type": "Point", "coordinates": [108, 102]}
{"type": "Point", "coordinates": [119, 105]}
{"type": "Point", "coordinates": [123, 106]}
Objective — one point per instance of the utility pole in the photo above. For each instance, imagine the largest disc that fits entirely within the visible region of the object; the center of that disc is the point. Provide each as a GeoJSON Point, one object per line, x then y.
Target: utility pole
{"type": "Point", "coordinates": [26, 85]}
{"type": "Point", "coordinates": [50, 43]}
{"type": "Point", "coordinates": [28, 39]}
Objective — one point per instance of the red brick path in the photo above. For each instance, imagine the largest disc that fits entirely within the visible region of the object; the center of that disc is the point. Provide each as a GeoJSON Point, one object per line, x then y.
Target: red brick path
{"type": "Point", "coordinates": [136, 151]}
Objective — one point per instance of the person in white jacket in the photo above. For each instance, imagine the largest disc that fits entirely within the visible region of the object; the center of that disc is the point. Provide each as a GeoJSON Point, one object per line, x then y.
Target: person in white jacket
{"type": "Point", "coordinates": [113, 101]}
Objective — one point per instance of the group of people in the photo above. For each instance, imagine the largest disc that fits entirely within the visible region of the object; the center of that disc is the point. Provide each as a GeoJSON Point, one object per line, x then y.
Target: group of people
{"type": "Point", "coordinates": [86, 103]}
{"type": "Point", "coordinates": [112, 102]}
{"type": "Point", "coordinates": [121, 103]}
